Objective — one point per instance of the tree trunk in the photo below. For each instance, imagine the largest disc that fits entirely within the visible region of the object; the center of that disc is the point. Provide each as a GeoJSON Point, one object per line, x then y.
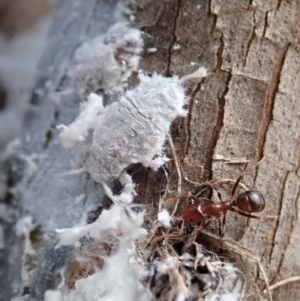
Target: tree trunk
{"type": "Point", "coordinates": [245, 110]}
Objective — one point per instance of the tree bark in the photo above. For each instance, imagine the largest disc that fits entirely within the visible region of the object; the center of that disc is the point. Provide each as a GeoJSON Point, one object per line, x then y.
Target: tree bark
{"type": "Point", "coordinates": [245, 110]}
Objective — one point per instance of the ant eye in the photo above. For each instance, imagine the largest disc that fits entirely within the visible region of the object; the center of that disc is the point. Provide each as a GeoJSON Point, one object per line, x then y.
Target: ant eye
{"type": "Point", "coordinates": [250, 201]}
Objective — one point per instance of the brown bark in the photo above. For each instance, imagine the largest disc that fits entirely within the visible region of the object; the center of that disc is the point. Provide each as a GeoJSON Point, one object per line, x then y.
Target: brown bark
{"type": "Point", "coordinates": [17, 16]}
{"type": "Point", "coordinates": [246, 109]}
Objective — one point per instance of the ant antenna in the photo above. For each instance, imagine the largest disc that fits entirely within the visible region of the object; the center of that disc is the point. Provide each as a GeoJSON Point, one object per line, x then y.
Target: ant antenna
{"type": "Point", "coordinates": [239, 179]}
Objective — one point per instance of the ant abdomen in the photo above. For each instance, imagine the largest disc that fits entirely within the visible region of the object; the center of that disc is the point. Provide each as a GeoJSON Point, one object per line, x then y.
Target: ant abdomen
{"type": "Point", "coordinates": [250, 201]}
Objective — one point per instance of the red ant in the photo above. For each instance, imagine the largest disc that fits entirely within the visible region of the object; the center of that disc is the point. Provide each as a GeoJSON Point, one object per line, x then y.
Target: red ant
{"type": "Point", "coordinates": [246, 203]}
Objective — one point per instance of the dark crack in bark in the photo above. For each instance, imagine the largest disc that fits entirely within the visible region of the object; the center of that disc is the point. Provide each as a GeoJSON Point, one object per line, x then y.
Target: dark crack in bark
{"type": "Point", "coordinates": [269, 101]}
{"type": "Point", "coordinates": [215, 132]}
{"type": "Point", "coordinates": [277, 226]}
{"type": "Point", "coordinates": [173, 39]}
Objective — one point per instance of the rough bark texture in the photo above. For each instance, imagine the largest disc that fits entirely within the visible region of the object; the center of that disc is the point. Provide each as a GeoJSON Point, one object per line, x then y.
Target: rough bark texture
{"type": "Point", "coordinates": [246, 109]}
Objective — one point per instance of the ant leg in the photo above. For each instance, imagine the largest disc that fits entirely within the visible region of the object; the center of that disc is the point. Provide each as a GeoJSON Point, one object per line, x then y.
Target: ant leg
{"type": "Point", "coordinates": [245, 167]}
{"type": "Point", "coordinates": [223, 221]}
{"type": "Point", "coordinates": [227, 181]}
{"type": "Point", "coordinates": [220, 197]}
{"type": "Point", "coordinates": [173, 235]}
{"type": "Point", "coordinates": [244, 213]}
{"type": "Point", "coordinates": [237, 182]}
{"type": "Point", "coordinates": [191, 238]}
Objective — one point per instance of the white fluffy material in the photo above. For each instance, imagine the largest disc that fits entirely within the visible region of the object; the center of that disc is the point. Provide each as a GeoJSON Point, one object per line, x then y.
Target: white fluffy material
{"type": "Point", "coordinates": [134, 129]}
{"type": "Point", "coordinates": [104, 63]}
{"type": "Point", "coordinates": [165, 218]}
{"type": "Point", "coordinates": [78, 130]}
{"type": "Point", "coordinates": [121, 277]}
{"type": "Point", "coordinates": [110, 220]}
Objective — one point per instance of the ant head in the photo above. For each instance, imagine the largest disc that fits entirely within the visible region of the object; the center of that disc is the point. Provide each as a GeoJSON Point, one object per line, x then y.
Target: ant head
{"type": "Point", "coordinates": [250, 201]}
